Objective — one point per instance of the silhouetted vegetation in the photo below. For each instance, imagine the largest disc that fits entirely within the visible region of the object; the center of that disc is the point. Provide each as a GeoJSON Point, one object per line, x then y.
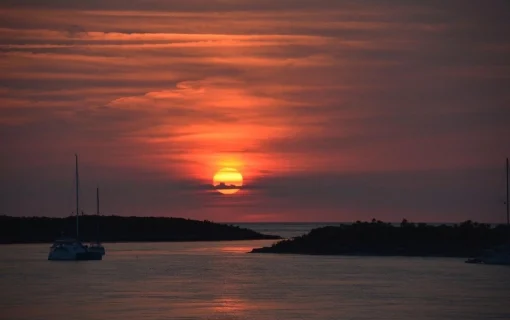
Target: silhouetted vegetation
{"type": "Point", "coordinates": [409, 239]}
{"type": "Point", "coordinates": [120, 229]}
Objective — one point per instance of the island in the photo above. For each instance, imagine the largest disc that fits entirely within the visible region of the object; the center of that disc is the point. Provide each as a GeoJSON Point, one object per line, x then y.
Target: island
{"type": "Point", "coordinates": [120, 229]}
{"type": "Point", "coordinates": [405, 239]}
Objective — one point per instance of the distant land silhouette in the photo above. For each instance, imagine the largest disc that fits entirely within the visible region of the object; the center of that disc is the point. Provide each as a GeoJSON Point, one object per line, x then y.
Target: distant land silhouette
{"type": "Point", "coordinates": [120, 229]}
{"type": "Point", "coordinates": [222, 186]}
{"type": "Point", "coordinates": [378, 238]}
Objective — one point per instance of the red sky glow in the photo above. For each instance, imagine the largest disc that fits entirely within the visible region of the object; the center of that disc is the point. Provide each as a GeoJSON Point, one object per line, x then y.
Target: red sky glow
{"type": "Point", "coordinates": [331, 110]}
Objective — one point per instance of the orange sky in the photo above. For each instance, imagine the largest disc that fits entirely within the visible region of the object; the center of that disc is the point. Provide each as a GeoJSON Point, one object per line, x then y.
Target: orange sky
{"type": "Point", "coordinates": [331, 110]}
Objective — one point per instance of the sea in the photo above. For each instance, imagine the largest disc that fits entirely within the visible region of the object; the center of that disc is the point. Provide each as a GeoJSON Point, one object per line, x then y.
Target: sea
{"type": "Point", "coordinates": [221, 280]}
{"type": "Point", "coordinates": [289, 230]}
{"type": "Point", "coordinates": [285, 230]}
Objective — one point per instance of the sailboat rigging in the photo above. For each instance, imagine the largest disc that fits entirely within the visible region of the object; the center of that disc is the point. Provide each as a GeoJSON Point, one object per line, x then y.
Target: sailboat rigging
{"type": "Point", "coordinates": [96, 246]}
{"type": "Point", "coordinates": [66, 249]}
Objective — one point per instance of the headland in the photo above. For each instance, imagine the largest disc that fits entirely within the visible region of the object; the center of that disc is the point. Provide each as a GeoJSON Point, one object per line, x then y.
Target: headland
{"type": "Point", "coordinates": [120, 229]}
{"type": "Point", "coordinates": [377, 238]}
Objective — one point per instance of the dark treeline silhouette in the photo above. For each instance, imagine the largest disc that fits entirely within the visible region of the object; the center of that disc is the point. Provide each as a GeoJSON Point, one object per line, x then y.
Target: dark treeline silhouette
{"type": "Point", "coordinates": [409, 239]}
{"type": "Point", "coordinates": [120, 229]}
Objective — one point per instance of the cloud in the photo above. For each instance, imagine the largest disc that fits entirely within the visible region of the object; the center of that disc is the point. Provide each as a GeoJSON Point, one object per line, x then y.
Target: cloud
{"type": "Point", "coordinates": [303, 97]}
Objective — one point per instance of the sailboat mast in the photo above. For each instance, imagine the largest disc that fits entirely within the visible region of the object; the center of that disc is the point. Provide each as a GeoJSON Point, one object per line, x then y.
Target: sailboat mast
{"type": "Point", "coordinates": [97, 198]}
{"type": "Point", "coordinates": [97, 216]}
{"type": "Point", "coordinates": [77, 199]}
{"type": "Point", "coordinates": [507, 204]}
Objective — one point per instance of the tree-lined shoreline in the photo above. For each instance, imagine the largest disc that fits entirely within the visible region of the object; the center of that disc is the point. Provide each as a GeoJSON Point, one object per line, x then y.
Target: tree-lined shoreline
{"type": "Point", "coordinates": [120, 229]}
{"type": "Point", "coordinates": [407, 239]}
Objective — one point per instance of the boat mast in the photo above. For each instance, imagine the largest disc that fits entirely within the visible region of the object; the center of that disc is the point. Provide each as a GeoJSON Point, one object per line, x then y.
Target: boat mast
{"type": "Point", "coordinates": [97, 198]}
{"type": "Point", "coordinates": [97, 215]}
{"type": "Point", "coordinates": [507, 204]}
{"type": "Point", "coordinates": [77, 199]}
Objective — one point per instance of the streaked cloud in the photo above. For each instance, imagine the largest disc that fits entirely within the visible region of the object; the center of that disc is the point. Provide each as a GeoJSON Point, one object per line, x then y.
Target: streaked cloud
{"type": "Point", "coordinates": [319, 104]}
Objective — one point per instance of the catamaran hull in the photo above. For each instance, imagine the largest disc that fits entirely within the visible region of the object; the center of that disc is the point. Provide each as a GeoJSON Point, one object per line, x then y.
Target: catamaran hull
{"type": "Point", "coordinates": [101, 251]}
{"type": "Point", "coordinates": [80, 256]}
{"type": "Point", "coordinates": [89, 256]}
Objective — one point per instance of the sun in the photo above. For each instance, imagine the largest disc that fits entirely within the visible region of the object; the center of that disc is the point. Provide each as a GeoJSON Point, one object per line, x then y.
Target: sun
{"type": "Point", "coordinates": [228, 181]}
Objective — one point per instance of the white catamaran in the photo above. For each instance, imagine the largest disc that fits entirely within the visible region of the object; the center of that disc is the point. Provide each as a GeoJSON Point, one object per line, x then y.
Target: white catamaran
{"type": "Point", "coordinates": [72, 249]}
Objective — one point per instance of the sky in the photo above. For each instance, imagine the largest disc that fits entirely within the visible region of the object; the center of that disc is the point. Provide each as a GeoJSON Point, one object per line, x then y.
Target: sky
{"type": "Point", "coordinates": [331, 110]}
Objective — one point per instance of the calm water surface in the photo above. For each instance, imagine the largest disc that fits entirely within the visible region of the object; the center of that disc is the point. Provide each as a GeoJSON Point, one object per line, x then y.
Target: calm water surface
{"type": "Point", "coordinates": [218, 280]}
{"type": "Point", "coordinates": [284, 229]}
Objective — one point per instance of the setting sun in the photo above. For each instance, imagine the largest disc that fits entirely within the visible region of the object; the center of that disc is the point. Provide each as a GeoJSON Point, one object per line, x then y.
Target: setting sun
{"type": "Point", "coordinates": [228, 181]}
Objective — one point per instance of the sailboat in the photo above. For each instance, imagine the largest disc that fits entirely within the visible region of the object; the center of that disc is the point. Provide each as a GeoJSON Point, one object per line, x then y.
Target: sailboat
{"type": "Point", "coordinates": [67, 249]}
{"type": "Point", "coordinates": [96, 246]}
{"type": "Point", "coordinates": [499, 255]}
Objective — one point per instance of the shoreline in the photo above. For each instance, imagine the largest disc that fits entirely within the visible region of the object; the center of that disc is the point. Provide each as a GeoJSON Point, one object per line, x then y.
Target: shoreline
{"type": "Point", "coordinates": [110, 229]}
{"type": "Point", "coordinates": [376, 238]}
{"type": "Point", "coordinates": [146, 241]}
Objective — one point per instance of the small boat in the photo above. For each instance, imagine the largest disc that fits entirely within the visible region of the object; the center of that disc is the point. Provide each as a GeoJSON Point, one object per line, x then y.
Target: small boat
{"type": "Point", "coordinates": [474, 260]}
{"type": "Point", "coordinates": [499, 255]}
{"type": "Point", "coordinates": [96, 246]}
{"type": "Point", "coordinates": [69, 249]}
